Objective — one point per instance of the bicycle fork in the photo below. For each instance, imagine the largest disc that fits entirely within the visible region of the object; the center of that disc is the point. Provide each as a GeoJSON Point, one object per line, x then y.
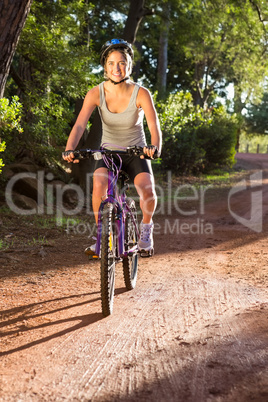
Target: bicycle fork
{"type": "Point", "coordinates": [119, 222]}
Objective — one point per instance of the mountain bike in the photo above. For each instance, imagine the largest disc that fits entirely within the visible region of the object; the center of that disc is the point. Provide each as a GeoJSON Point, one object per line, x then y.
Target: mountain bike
{"type": "Point", "coordinates": [118, 231]}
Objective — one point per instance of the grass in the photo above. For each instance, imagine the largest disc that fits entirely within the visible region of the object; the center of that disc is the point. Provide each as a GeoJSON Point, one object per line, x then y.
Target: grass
{"type": "Point", "coordinates": [218, 177]}
{"type": "Point", "coordinates": [187, 185]}
{"type": "Point", "coordinates": [4, 245]}
{"type": "Point", "coordinates": [63, 221]}
{"type": "Point", "coordinates": [14, 241]}
{"type": "Point", "coordinates": [40, 241]}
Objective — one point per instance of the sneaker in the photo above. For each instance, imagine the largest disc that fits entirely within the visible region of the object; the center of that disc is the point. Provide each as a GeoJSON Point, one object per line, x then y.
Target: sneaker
{"type": "Point", "coordinates": [91, 250]}
{"type": "Point", "coordinates": [146, 242]}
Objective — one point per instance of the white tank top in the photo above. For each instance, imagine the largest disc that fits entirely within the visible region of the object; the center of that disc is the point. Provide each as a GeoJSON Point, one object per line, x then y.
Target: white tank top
{"type": "Point", "coordinates": [125, 128]}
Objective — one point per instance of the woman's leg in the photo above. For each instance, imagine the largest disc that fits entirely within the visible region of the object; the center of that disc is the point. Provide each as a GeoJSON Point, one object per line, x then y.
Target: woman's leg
{"type": "Point", "coordinates": [100, 185]}
{"type": "Point", "coordinates": [144, 183]}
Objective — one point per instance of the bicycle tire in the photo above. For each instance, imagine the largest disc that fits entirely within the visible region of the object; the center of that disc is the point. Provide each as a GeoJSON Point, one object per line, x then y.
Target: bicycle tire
{"type": "Point", "coordinates": [130, 263]}
{"type": "Point", "coordinates": [108, 247]}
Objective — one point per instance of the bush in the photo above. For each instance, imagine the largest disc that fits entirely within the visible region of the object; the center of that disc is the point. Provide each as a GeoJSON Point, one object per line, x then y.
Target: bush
{"type": "Point", "coordinates": [48, 120]}
{"type": "Point", "coordinates": [40, 131]}
{"type": "Point", "coordinates": [195, 140]}
{"type": "Point", "coordinates": [10, 127]}
{"type": "Point", "coordinates": [2, 148]}
{"type": "Point", "coordinates": [218, 139]}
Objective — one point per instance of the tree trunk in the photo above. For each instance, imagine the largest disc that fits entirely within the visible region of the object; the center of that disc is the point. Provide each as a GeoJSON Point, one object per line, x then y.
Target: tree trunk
{"type": "Point", "coordinates": [136, 13]}
{"type": "Point", "coordinates": [137, 65]}
{"type": "Point", "coordinates": [238, 107]}
{"type": "Point", "coordinates": [163, 53]}
{"type": "Point", "coordinates": [197, 91]}
{"type": "Point", "coordinates": [13, 16]}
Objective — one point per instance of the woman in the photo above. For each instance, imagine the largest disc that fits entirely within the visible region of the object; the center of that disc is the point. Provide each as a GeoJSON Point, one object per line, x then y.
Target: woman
{"type": "Point", "coordinates": [122, 105]}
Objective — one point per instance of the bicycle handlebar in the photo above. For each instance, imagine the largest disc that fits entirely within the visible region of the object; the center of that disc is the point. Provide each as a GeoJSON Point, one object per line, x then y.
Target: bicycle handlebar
{"type": "Point", "coordinates": [134, 150]}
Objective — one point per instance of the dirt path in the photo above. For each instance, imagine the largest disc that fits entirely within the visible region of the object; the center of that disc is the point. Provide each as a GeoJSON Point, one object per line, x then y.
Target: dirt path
{"type": "Point", "coordinates": [194, 329]}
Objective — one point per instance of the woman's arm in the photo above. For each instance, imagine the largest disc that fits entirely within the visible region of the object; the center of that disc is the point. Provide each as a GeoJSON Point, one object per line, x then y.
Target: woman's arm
{"type": "Point", "coordinates": [145, 101]}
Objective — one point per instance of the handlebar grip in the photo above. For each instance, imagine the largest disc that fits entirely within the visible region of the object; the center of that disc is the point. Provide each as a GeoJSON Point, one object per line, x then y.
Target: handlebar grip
{"type": "Point", "coordinates": [78, 154]}
{"type": "Point", "coordinates": [136, 150]}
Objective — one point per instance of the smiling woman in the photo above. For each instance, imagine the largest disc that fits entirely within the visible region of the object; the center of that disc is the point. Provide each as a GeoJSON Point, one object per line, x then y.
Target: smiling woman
{"type": "Point", "coordinates": [120, 66]}
{"type": "Point", "coordinates": [116, 68]}
{"type": "Point", "coordinates": [122, 105]}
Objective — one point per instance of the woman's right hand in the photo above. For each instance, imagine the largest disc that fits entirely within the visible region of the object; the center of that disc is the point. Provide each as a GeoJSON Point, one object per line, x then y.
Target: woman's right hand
{"type": "Point", "coordinates": [68, 156]}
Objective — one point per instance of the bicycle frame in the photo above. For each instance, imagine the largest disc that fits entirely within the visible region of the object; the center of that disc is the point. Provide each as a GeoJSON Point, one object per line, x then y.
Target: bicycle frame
{"type": "Point", "coordinates": [121, 208]}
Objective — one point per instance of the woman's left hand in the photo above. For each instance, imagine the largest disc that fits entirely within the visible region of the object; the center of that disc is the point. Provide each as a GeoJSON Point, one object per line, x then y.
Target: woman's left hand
{"type": "Point", "coordinates": [151, 151]}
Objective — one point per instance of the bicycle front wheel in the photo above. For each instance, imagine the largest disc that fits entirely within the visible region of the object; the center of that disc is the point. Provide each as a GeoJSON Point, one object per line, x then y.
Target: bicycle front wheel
{"type": "Point", "coordinates": [130, 262]}
{"type": "Point", "coordinates": [108, 248]}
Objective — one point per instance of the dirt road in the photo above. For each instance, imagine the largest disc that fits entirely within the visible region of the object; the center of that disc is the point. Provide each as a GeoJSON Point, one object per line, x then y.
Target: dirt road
{"type": "Point", "coordinates": [194, 329]}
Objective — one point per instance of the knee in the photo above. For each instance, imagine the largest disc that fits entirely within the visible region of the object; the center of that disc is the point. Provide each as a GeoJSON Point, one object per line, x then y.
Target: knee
{"type": "Point", "coordinates": [144, 184]}
{"type": "Point", "coordinates": [99, 187]}
{"type": "Point", "coordinates": [147, 193]}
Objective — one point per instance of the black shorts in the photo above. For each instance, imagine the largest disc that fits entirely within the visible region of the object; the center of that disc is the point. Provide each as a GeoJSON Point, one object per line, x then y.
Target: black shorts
{"type": "Point", "coordinates": [131, 164]}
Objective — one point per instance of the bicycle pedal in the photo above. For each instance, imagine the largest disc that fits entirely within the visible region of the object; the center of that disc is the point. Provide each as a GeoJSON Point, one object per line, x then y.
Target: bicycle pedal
{"type": "Point", "coordinates": [93, 257]}
{"type": "Point", "coordinates": [146, 253]}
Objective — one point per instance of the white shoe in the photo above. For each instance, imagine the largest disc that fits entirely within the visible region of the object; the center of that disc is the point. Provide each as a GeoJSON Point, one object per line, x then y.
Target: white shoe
{"type": "Point", "coordinates": [91, 250]}
{"type": "Point", "coordinates": [146, 242]}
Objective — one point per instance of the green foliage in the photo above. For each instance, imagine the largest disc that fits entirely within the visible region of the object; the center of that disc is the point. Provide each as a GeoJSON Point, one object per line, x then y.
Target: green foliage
{"type": "Point", "coordinates": [2, 148]}
{"type": "Point", "coordinates": [10, 127]}
{"type": "Point", "coordinates": [52, 69]}
{"type": "Point", "coordinates": [218, 137]}
{"type": "Point", "coordinates": [211, 44]}
{"type": "Point", "coordinates": [194, 139]}
{"type": "Point", "coordinates": [46, 129]}
{"type": "Point", "coordinates": [257, 117]}
{"type": "Point", "coordinates": [10, 115]}
{"type": "Point", "coordinates": [57, 61]}
{"type": "Point", "coordinates": [55, 49]}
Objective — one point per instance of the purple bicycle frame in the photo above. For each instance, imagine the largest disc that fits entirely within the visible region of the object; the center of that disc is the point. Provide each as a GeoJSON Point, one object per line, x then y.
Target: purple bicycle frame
{"type": "Point", "coordinates": [118, 200]}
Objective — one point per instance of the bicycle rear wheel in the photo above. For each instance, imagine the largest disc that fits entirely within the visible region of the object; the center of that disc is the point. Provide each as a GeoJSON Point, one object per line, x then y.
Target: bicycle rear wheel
{"type": "Point", "coordinates": [108, 248]}
{"type": "Point", "coordinates": [130, 263]}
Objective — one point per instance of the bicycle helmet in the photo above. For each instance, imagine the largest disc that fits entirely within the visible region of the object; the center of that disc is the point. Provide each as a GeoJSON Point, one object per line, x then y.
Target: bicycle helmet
{"type": "Point", "coordinates": [115, 43]}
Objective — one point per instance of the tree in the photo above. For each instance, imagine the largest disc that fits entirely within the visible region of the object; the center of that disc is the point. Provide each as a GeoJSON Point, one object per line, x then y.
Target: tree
{"type": "Point", "coordinates": [13, 16]}
{"type": "Point", "coordinates": [232, 47]}
{"type": "Point", "coordinates": [53, 46]}
{"type": "Point", "coordinates": [163, 51]}
{"type": "Point", "coordinates": [257, 117]}
{"type": "Point", "coordinates": [211, 44]}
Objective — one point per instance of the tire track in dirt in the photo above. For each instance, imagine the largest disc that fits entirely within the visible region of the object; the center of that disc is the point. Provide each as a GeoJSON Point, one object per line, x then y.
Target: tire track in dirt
{"type": "Point", "coordinates": [159, 343]}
